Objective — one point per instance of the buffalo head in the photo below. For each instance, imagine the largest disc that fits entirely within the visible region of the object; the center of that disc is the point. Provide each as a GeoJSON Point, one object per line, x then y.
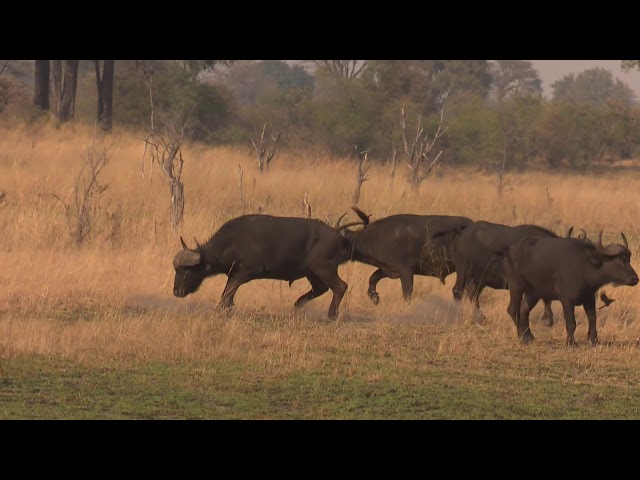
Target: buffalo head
{"type": "Point", "coordinates": [191, 270]}
{"type": "Point", "coordinates": [614, 261]}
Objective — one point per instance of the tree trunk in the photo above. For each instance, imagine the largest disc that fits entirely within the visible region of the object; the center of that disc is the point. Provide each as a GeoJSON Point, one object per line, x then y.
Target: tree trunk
{"type": "Point", "coordinates": [41, 86]}
{"type": "Point", "coordinates": [104, 86]}
{"type": "Point", "coordinates": [67, 100]}
{"type": "Point", "coordinates": [56, 77]}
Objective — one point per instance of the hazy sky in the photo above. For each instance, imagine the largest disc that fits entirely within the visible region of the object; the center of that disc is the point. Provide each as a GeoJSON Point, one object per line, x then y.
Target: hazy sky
{"type": "Point", "coordinates": [552, 70]}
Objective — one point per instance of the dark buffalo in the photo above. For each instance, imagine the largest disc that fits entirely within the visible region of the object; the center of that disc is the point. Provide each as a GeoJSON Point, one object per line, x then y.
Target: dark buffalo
{"type": "Point", "coordinates": [405, 245]}
{"type": "Point", "coordinates": [566, 269]}
{"type": "Point", "coordinates": [254, 247]}
{"type": "Point", "coordinates": [476, 262]}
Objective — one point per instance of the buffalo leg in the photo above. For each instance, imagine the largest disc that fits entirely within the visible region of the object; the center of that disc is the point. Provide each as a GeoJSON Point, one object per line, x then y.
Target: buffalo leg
{"type": "Point", "coordinates": [473, 293]}
{"type": "Point", "coordinates": [317, 289]}
{"type": "Point", "coordinates": [529, 304]}
{"type": "Point", "coordinates": [590, 309]}
{"type": "Point", "coordinates": [373, 283]}
{"type": "Point", "coordinates": [522, 321]}
{"type": "Point", "coordinates": [406, 279]}
{"type": "Point", "coordinates": [462, 281]}
{"type": "Point", "coordinates": [525, 309]}
{"type": "Point", "coordinates": [328, 275]}
{"type": "Point", "coordinates": [548, 313]}
{"type": "Point", "coordinates": [230, 289]}
{"type": "Point", "coordinates": [570, 320]}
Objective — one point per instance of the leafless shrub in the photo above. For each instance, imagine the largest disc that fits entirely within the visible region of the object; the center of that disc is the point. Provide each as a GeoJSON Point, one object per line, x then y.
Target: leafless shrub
{"type": "Point", "coordinates": [240, 179]}
{"type": "Point", "coordinates": [262, 150]}
{"type": "Point", "coordinates": [419, 152]}
{"type": "Point", "coordinates": [394, 163]}
{"type": "Point", "coordinates": [362, 173]}
{"type": "Point", "coordinates": [549, 197]}
{"type": "Point", "coordinates": [85, 203]}
{"type": "Point", "coordinates": [163, 144]}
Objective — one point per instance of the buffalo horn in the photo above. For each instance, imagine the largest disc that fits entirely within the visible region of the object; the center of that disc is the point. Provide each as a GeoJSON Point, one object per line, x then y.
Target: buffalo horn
{"type": "Point", "coordinates": [609, 250]}
{"type": "Point", "coordinates": [184, 245]}
{"type": "Point", "coordinates": [569, 232]}
{"type": "Point", "coordinates": [362, 215]}
{"type": "Point", "coordinates": [599, 244]}
{"type": "Point", "coordinates": [351, 224]}
{"type": "Point", "coordinates": [624, 239]}
{"type": "Point", "coordinates": [337, 227]}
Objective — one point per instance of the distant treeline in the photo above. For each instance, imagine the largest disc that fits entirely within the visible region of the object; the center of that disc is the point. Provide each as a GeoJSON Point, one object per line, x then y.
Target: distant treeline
{"type": "Point", "coordinates": [494, 110]}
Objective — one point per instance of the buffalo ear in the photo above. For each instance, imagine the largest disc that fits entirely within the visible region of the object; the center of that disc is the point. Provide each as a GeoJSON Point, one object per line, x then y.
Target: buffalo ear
{"type": "Point", "coordinates": [184, 245]}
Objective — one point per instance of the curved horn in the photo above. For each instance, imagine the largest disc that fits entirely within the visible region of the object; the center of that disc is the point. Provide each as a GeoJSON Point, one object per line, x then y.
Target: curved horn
{"type": "Point", "coordinates": [184, 245]}
{"type": "Point", "coordinates": [338, 222]}
{"type": "Point", "coordinates": [609, 250]}
{"type": "Point", "coordinates": [198, 246]}
{"type": "Point", "coordinates": [624, 240]}
{"type": "Point", "coordinates": [569, 232]}
{"type": "Point", "coordinates": [347, 225]}
{"type": "Point", "coordinates": [363, 216]}
{"type": "Point", "coordinates": [599, 247]}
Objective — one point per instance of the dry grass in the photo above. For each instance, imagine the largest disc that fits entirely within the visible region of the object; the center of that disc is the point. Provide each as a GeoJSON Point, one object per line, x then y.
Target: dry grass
{"type": "Point", "coordinates": [112, 298]}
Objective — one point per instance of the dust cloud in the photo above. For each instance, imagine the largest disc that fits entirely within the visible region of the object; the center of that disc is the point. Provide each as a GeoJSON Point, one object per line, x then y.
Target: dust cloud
{"type": "Point", "coordinates": [170, 304]}
{"type": "Point", "coordinates": [429, 310]}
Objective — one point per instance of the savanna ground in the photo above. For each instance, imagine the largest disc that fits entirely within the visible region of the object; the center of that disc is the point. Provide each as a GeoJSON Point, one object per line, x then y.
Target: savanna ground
{"type": "Point", "coordinates": [94, 332]}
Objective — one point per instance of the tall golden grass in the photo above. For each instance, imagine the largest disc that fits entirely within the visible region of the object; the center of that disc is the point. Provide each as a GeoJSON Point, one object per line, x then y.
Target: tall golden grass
{"type": "Point", "coordinates": [112, 296]}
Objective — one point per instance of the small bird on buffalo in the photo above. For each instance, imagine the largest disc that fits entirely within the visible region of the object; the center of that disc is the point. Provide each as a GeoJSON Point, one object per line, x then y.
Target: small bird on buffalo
{"type": "Point", "coordinates": [606, 300]}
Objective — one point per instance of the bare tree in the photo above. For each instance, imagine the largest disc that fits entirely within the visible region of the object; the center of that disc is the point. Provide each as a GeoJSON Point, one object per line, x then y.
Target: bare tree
{"type": "Point", "coordinates": [240, 180]}
{"type": "Point", "coordinates": [56, 82]}
{"type": "Point", "coordinates": [104, 85]}
{"type": "Point", "coordinates": [342, 68]}
{"type": "Point", "coordinates": [394, 162]}
{"type": "Point", "coordinates": [64, 75]}
{"type": "Point", "coordinates": [362, 173]}
{"type": "Point", "coordinates": [262, 151]}
{"type": "Point", "coordinates": [419, 152]}
{"type": "Point", "coordinates": [163, 143]}
{"type": "Point", "coordinates": [504, 163]}
{"type": "Point", "coordinates": [5, 65]}
{"type": "Point", "coordinates": [41, 84]}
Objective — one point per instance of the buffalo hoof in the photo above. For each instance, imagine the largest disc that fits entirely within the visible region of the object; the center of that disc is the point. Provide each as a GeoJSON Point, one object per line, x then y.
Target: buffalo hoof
{"type": "Point", "coordinates": [375, 298]}
{"type": "Point", "coordinates": [527, 337]}
{"type": "Point", "coordinates": [571, 342]}
{"type": "Point", "coordinates": [593, 342]}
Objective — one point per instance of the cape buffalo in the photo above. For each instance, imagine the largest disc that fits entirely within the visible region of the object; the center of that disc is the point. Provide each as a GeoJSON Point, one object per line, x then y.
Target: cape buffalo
{"type": "Point", "coordinates": [405, 245]}
{"type": "Point", "coordinates": [263, 246]}
{"type": "Point", "coordinates": [476, 262]}
{"type": "Point", "coordinates": [565, 269]}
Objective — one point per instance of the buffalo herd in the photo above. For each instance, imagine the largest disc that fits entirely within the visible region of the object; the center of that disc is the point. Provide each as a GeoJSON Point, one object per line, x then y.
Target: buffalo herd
{"type": "Point", "coordinates": [530, 261]}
